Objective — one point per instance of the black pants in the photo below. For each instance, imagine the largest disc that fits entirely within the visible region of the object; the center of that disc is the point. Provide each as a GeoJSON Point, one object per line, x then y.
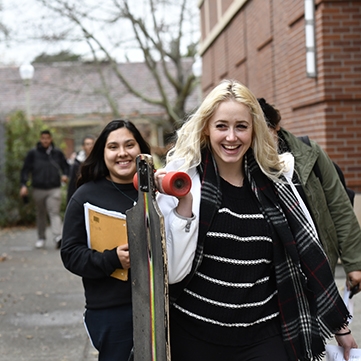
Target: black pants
{"type": "Point", "coordinates": [186, 347]}
{"type": "Point", "coordinates": [111, 332]}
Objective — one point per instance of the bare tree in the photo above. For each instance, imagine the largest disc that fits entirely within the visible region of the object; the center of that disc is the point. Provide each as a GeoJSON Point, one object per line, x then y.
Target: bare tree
{"type": "Point", "coordinates": [4, 31]}
{"type": "Point", "coordinates": [164, 34]}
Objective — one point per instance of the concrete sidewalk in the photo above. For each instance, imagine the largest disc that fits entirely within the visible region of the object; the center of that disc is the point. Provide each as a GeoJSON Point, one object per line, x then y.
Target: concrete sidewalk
{"type": "Point", "coordinates": [42, 304]}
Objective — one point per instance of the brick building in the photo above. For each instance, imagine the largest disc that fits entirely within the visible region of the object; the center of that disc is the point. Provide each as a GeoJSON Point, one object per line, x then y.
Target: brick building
{"type": "Point", "coordinates": [262, 44]}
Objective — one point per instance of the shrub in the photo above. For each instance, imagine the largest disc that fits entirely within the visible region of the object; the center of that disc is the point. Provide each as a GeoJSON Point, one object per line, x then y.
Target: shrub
{"type": "Point", "coordinates": [20, 137]}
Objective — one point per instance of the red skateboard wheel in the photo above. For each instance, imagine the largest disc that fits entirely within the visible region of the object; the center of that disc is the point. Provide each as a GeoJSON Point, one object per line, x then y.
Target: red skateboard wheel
{"type": "Point", "coordinates": [135, 180]}
{"type": "Point", "coordinates": [177, 184]}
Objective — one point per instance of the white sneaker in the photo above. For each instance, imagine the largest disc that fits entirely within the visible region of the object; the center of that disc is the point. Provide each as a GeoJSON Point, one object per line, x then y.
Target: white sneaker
{"type": "Point", "coordinates": [40, 243]}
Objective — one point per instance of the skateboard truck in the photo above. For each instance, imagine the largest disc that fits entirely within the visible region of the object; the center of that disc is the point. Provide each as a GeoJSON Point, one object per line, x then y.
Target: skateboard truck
{"type": "Point", "coordinates": [144, 183]}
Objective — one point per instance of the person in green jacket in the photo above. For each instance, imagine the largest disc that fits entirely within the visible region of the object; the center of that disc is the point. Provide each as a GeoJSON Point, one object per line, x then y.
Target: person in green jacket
{"type": "Point", "coordinates": [326, 198]}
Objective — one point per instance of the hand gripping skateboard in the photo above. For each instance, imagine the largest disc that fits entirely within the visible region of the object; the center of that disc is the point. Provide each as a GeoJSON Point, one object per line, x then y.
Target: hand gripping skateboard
{"type": "Point", "coordinates": [149, 270]}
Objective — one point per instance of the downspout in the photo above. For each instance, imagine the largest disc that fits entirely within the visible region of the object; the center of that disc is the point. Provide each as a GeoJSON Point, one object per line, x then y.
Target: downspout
{"type": "Point", "coordinates": [311, 65]}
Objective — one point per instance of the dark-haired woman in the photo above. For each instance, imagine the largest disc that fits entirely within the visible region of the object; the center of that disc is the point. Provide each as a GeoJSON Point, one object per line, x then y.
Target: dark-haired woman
{"type": "Point", "coordinates": [106, 182]}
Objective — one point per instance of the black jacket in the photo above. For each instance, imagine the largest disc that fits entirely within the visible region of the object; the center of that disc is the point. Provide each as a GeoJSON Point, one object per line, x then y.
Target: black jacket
{"type": "Point", "coordinates": [45, 166]}
{"type": "Point", "coordinates": [95, 268]}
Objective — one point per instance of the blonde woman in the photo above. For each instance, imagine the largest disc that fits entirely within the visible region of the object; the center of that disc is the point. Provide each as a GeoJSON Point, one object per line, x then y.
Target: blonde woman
{"type": "Point", "coordinates": [248, 278]}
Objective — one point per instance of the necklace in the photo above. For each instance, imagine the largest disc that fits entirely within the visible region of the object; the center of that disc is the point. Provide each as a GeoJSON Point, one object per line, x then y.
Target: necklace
{"type": "Point", "coordinates": [133, 200]}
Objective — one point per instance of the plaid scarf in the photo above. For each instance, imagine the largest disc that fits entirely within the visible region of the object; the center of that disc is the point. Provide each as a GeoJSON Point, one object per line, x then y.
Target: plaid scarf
{"type": "Point", "coordinates": [310, 307]}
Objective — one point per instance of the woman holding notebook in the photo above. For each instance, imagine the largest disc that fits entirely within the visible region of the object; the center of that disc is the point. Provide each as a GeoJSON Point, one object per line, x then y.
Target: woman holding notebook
{"type": "Point", "coordinates": [105, 183]}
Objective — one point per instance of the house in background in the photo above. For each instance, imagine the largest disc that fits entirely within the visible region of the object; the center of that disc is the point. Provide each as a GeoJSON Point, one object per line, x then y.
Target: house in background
{"type": "Point", "coordinates": [73, 98]}
{"type": "Point", "coordinates": [262, 43]}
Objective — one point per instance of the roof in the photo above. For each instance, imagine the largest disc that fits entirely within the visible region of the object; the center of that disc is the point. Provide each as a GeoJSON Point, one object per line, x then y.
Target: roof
{"type": "Point", "coordinates": [75, 89]}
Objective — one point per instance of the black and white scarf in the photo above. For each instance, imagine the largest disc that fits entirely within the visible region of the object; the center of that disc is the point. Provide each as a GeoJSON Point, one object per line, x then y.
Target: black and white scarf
{"type": "Point", "coordinates": [310, 306]}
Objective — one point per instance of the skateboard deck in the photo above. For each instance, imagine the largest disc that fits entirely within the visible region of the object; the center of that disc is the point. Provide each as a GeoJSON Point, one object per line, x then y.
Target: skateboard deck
{"type": "Point", "coordinates": [149, 272]}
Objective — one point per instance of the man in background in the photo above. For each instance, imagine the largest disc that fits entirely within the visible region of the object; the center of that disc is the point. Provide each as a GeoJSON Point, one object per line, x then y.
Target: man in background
{"type": "Point", "coordinates": [47, 167]}
{"type": "Point", "coordinates": [87, 145]}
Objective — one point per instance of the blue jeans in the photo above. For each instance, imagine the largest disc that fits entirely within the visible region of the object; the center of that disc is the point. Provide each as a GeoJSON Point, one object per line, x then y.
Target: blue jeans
{"type": "Point", "coordinates": [111, 332]}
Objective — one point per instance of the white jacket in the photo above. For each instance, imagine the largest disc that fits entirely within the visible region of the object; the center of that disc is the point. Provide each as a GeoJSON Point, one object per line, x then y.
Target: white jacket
{"type": "Point", "coordinates": [181, 232]}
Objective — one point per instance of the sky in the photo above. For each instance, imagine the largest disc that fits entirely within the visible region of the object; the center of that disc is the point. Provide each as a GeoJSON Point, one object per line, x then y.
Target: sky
{"type": "Point", "coordinates": [19, 51]}
{"type": "Point", "coordinates": [21, 15]}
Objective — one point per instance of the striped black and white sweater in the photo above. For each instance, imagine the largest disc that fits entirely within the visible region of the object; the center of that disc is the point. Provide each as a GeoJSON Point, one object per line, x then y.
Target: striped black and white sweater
{"type": "Point", "coordinates": [232, 299]}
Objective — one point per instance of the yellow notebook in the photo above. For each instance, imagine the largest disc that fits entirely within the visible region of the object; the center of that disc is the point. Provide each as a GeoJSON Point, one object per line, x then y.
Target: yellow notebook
{"type": "Point", "coordinates": [106, 230]}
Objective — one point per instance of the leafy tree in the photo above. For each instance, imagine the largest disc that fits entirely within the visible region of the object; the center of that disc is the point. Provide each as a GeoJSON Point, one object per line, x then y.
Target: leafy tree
{"type": "Point", "coordinates": [19, 139]}
{"type": "Point", "coordinates": [59, 57]}
{"type": "Point", "coordinates": [4, 31]}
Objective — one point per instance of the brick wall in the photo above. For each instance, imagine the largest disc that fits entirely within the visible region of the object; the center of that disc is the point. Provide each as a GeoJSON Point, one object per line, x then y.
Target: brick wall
{"type": "Point", "coordinates": [225, 5]}
{"type": "Point", "coordinates": [263, 46]}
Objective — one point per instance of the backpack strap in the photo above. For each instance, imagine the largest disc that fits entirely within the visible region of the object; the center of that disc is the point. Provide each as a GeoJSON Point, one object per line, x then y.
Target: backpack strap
{"type": "Point", "coordinates": [316, 169]}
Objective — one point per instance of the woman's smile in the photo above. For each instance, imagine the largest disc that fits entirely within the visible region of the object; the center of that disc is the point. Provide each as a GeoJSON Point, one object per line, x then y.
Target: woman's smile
{"type": "Point", "coordinates": [230, 133]}
{"type": "Point", "coordinates": [121, 150]}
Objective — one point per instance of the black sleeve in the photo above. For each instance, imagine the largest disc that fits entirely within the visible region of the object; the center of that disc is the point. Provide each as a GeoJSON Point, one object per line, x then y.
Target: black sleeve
{"type": "Point", "coordinates": [75, 254]}
{"type": "Point", "coordinates": [27, 167]}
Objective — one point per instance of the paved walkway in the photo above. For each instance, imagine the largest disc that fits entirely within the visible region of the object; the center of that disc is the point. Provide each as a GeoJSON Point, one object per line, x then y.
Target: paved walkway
{"type": "Point", "coordinates": [41, 303]}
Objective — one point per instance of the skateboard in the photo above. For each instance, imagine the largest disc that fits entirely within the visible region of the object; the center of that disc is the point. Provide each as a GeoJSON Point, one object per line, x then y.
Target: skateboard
{"type": "Point", "coordinates": [148, 257]}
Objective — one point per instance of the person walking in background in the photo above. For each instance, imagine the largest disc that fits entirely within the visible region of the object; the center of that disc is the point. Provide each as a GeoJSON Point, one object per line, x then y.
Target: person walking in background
{"type": "Point", "coordinates": [325, 196]}
{"type": "Point", "coordinates": [249, 279]}
{"type": "Point", "coordinates": [106, 181]}
{"type": "Point", "coordinates": [87, 145]}
{"type": "Point", "coordinates": [47, 167]}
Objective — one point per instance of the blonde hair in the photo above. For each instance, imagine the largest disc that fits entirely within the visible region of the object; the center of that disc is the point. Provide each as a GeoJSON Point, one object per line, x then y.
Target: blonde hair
{"type": "Point", "coordinates": [191, 137]}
